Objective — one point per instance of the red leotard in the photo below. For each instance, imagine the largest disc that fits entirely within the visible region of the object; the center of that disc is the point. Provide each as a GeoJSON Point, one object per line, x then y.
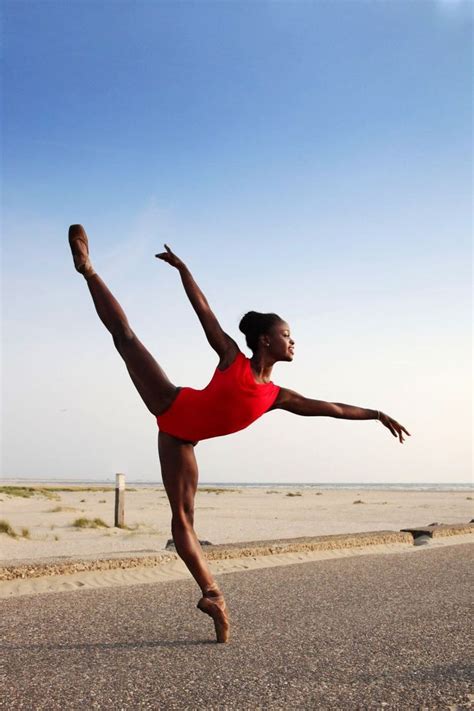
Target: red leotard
{"type": "Point", "coordinates": [231, 402]}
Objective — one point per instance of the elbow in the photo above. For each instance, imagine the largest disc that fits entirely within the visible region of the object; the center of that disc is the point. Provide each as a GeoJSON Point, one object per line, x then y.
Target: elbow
{"type": "Point", "coordinates": [337, 410]}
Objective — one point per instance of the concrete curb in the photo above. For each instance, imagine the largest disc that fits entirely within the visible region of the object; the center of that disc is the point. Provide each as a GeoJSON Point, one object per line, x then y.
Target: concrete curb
{"type": "Point", "coordinates": [68, 566]}
{"type": "Point", "coordinates": [248, 549]}
{"type": "Point", "coordinates": [306, 544]}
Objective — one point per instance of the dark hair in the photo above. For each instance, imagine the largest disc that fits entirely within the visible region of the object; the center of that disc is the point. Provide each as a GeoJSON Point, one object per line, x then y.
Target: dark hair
{"type": "Point", "coordinates": [255, 324]}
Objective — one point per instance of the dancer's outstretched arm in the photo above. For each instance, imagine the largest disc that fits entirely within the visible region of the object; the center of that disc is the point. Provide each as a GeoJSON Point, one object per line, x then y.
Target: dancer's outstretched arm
{"type": "Point", "coordinates": [220, 341]}
{"type": "Point", "coordinates": [300, 405]}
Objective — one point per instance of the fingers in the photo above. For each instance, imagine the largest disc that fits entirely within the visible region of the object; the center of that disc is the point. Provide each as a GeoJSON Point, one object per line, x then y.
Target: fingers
{"type": "Point", "coordinates": [404, 430]}
{"type": "Point", "coordinates": [395, 428]}
{"type": "Point", "coordinates": [399, 429]}
{"type": "Point", "coordinates": [390, 425]}
{"type": "Point", "coordinates": [391, 428]}
{"type": "Point", "coordinates": [163, 255]}
{"type": "Point", "coordinates": [398, 432]}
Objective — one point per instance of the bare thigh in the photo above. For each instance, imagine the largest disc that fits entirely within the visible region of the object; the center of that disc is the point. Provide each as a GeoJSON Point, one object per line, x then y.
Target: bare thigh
{"type": "Point", "coordinates": [180, 474]}
{"type": "Point", "coordinates": [149, 378]}
{"type": "Point", "coordinates": [151, 381]}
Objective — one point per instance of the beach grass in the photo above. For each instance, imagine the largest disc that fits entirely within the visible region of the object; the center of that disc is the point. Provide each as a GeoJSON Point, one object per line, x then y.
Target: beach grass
{"type": "Point", "coordinates": [26, 492]}
{"type": "Point", "coordinates": [294, 493]}
{"type": "Point", "coordinates": [92, 489]}
{"type": "Point", "coordinates": [89, 523]}
{"type": "Point", "coordinates": [142, 529]}
{"type": "Point", "coordinates": [52, 492]}
{"type": "Point", "coordinates": [7, 528]}
{"type": "Point", "coordinates": [58, 509]}
{"type": "Point", "coordinates": [217, 490]}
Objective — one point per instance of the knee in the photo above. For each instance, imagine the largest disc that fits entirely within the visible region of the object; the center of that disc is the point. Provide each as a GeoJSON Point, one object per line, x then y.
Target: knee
{"type": "Point", "coordinates": [182, 520]}
{"type": "Point", "coordinates": [122, 335]}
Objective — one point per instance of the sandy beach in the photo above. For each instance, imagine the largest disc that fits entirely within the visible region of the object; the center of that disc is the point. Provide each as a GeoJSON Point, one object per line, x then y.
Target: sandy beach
{"type": "Point", "coordinates": [44, 522]}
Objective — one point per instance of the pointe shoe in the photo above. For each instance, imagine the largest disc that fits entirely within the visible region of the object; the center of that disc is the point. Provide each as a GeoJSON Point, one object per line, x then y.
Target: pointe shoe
{"type": "Point", "coordinates": [215, 607]}
{"type": "Point", "coordinates": [80, 250]}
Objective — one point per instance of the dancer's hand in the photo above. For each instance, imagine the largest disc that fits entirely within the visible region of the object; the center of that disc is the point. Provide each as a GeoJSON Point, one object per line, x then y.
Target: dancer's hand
{"type": "Point", "coordinates": [395, 428]}
{"type": "Point", "coordinates": [170, 258]}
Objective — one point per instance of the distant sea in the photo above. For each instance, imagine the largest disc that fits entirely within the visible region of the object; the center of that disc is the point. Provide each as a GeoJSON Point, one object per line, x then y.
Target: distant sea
{"type": "Point", "coordinates": [326, 485]}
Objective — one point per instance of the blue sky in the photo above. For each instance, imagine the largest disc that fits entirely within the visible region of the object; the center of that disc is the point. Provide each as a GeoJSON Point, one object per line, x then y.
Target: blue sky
{"type": "Point", "coordinates": [309, 158]}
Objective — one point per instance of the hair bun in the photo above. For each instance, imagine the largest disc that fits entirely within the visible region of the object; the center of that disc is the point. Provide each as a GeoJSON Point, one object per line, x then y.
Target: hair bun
{"type": "Point", "coordinates": [248, 322]}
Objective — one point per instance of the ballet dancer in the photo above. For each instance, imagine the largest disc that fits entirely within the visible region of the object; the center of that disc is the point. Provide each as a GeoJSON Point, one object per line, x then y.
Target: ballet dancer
{"type": "Point", "coordinates": [240, 391]}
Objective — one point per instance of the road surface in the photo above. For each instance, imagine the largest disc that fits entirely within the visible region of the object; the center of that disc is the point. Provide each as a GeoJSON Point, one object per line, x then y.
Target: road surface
{"type": "Point", "coordinates": [376, 631]}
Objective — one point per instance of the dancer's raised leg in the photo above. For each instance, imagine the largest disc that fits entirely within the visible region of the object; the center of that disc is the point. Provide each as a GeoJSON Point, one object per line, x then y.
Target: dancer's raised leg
{"type": "Point", "coordinates": [180, 478]}
{"type": "Point", "coordinates": [152, 383]}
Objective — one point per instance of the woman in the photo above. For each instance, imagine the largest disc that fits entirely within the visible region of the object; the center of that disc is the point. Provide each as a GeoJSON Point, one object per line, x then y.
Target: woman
{"type": "Point", "coordinates": [239, 392]}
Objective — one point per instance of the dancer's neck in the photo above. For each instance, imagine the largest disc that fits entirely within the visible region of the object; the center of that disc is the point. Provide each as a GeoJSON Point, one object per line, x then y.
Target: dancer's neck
{"type": "Point", "coordinates": [262, 366]}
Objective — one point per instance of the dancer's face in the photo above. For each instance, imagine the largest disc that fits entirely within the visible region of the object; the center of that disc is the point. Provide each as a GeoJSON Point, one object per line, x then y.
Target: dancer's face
{"type": "Point", "coordinates": [279, 343]}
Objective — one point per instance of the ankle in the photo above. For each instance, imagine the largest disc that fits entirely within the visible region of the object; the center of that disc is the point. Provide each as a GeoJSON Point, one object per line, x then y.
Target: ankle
{"type": "Point", "coordinates": [87, 270]}
{"type": "Point", "coordinates": [211, 591]}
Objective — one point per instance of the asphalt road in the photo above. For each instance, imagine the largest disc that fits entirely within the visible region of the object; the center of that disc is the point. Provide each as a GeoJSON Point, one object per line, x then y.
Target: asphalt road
{"type": "Point", "coordinates": [377, 631]}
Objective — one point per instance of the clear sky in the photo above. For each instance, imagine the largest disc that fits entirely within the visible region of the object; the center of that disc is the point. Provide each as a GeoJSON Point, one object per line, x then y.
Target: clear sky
{"type": "Point", "coordinates": [308, 158]}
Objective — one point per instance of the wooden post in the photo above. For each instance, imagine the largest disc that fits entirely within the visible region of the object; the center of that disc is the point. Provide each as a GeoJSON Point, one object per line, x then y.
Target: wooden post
{"type": "Point", "coordinates": [119, 500]}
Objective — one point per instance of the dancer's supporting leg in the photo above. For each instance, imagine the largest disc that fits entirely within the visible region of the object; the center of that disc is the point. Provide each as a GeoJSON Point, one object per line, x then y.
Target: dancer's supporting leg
{"type": "Point", "coordinates": [179, 467]}
{"type": "Point", "coordinates": [180, 478]}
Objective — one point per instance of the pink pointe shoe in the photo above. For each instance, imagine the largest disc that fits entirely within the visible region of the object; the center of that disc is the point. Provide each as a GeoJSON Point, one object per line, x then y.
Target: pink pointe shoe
{"type": "Point", "coordinates": [215, 607]}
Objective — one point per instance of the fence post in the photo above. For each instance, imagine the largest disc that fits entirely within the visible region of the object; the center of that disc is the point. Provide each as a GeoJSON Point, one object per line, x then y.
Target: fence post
{"type": "Point", "coordinates": [119, 501]}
